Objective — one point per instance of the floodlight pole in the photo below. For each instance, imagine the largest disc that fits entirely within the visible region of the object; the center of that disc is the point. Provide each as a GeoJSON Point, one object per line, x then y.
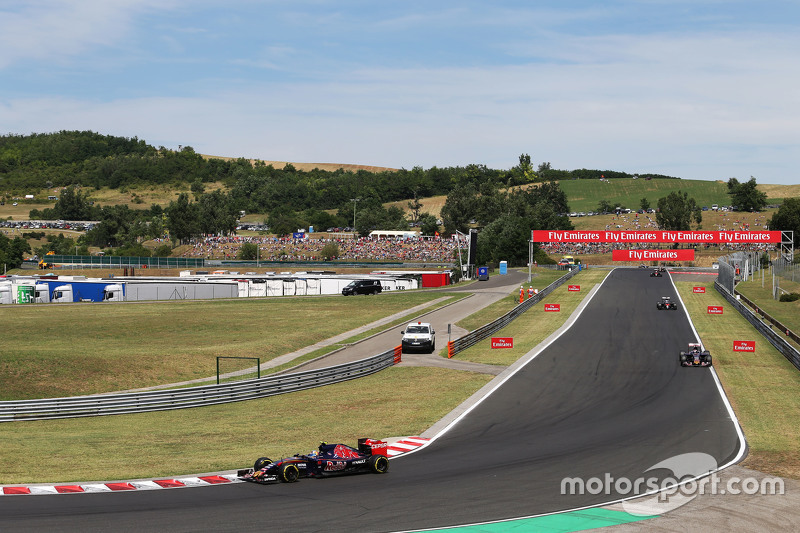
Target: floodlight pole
{"type": "Point", "coordinates": [458, 244]}
{"type": "Point", "coordinates": [355, 202]}
{"type": "Point", "coordinates": [530, 259]}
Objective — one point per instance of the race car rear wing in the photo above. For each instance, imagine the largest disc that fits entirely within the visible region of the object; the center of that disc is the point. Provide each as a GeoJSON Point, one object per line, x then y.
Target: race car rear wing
{"type": "Point", "coordinates": [373, 447]}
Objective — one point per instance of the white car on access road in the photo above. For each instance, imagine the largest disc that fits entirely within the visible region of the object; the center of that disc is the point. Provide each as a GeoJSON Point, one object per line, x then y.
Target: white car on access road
{"type": "Point", "coordinates": [419, 336]}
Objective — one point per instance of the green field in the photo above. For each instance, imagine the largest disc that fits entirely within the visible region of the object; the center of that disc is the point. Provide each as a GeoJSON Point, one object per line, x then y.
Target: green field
{"type": "Point", "coordinates": [585, 195]}
{"type": "Point", "coordinates": [65, 350]}
{"type": "Point", "coordinates": [787, 313]}
{"type": "Point", "coordinates": [396, 401]}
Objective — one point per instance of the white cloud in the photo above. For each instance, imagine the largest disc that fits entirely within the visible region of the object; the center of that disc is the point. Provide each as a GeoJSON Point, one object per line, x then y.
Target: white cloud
{"type": "Point", "coordinates": [57, 30]}
{"type": "Point", "coordinates": [697, 105]}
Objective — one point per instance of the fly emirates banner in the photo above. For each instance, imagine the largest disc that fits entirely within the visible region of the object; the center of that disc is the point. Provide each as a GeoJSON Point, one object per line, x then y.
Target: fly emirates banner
{"type": "Point", "coordinates": [685, 237]}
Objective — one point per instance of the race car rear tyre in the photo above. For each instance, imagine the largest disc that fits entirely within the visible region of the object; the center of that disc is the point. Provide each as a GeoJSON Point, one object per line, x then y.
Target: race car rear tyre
{"type": "Point", "coordinates": [261, 462]}
{"type": "Point", "coordinates": [378, 464]}
{"type": "Point", "coordinates": [288, 473]}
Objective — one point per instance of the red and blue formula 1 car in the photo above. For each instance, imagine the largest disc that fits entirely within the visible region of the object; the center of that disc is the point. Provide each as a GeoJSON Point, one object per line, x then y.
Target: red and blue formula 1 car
{"type": "Point", "coordinates": [695, 356]}
{"type": "Point", "coordinates": [330, 459]}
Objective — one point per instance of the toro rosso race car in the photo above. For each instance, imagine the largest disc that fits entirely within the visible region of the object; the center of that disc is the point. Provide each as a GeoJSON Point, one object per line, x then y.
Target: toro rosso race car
{"type": "Point", "coordinates": [666, 303]}
{"type": "Point", "coordinates": [696, 356]}
{"type": "Point", "coordinates": [330, 459]}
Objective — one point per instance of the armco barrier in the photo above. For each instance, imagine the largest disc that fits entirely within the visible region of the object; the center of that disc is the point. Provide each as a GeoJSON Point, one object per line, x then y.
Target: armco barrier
{"type": "Point", "coordinates": [487, 330]}
{"type": "Point", "coordinates": [789, 333]}
{"type": "Point", "coordinates": [147, 401]}
{"type": "Point", "coordinates": [773, 337]}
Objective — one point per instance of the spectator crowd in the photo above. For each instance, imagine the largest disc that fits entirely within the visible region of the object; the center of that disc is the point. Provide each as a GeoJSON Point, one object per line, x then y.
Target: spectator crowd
{"type": "Point", "coordinates": [434, 250]}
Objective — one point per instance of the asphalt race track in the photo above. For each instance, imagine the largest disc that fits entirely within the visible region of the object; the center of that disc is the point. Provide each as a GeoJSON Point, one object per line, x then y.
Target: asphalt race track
{"type": "Point", "coordinates": [607, 397]}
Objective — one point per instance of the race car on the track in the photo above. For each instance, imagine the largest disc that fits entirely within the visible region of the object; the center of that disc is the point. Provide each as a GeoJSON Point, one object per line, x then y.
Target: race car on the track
{"type": "Point", "coordinates": [695, 356]}
{"type": "Point", "coordinates": [656, 273]}
{"type": "Point", "coordinates": [328, 460]}
{"type": "Point", "coordinates": [666, 303]}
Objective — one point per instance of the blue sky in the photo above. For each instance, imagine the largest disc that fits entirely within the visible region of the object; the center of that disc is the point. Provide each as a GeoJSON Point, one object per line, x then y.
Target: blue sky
{"type": "Point", "coordinates": [698, 89]}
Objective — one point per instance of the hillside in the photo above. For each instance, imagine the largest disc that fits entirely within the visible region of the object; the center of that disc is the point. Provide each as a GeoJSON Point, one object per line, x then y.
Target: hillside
{"type": "Point", "coordinates": [130, 172]}
{"type": "Point", "coordinates": [308, 167]}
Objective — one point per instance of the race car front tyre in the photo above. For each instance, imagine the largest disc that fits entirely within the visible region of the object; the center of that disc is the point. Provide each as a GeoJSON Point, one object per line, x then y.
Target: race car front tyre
{"type": "Point", "coordinates": [261, 462]}
{"type": "Point", "coordinates": [378, 464]}
{"type": "Point", "coordinates": [288, 473]}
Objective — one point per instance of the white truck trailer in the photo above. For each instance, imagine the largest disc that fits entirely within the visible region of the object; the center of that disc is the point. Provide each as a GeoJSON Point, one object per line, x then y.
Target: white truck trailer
{"type": "Point", "coordinates": [140, 290]}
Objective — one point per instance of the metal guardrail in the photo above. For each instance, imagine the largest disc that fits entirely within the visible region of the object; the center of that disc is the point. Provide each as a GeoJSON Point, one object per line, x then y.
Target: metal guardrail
{"type": "Point", "coordinates": [148, 401]}
{"type": "Point", "coordinates": [486, 330]}
{"type": "Point", "coordinates": [775, 322]}
{"type": "Point", "coordinates": [772, 336]}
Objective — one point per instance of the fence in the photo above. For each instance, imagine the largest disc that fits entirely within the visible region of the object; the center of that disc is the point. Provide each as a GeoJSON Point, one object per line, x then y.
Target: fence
{"type": "Point", "coordinates": [472, 338]}
{"type": "Point", "coordinates": [141, 402]}
{"type": "Point", "coordinates": [113, 261]}
{"type": "Point", "coordinates": [786, 274]}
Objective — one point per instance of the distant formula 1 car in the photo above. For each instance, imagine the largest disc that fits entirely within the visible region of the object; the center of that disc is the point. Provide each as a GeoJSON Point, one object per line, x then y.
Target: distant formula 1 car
{"type": "Point", "coordinates": [695, 356]}
{"type": "Point", "coordinates": [666, 303]}
{"type": "Point", "coordinates": [656, 273]}
{"type": "Point", "coordinates": [331, 459]}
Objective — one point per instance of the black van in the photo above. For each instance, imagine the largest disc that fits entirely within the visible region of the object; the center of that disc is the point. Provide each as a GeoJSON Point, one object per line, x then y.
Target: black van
{"type": "Point", "coordinates": [362, 286]}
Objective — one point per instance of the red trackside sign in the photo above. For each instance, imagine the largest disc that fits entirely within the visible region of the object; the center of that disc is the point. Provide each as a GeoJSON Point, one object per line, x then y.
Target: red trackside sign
{"type": "Point", "coordinates": [714, 309]}
{"type": "Point", "coordinates": [688, 237]}
{"type": "Point", "coordinates": [699, 290]}
{"type": "Point", "coordinates": [574, 288]}
{"type": "Point", "coordinates": [502, 342]}
{"type": "Point", "coordinates": [682, 254]}
{"type": "Point", "coordinates": [744, 346]}
{"type": "Point", "coordinates": [553, 308]}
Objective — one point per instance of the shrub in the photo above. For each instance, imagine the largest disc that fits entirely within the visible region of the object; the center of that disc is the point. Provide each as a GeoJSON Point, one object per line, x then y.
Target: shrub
{"type": "Point", "coordinates": [791, 297]}
{"type": "Point", "coordinates": [330, 251]}
{"type": "Point", "coordinates": [165, 250]}
{"type": "Point", "coordinates": [248, 251]}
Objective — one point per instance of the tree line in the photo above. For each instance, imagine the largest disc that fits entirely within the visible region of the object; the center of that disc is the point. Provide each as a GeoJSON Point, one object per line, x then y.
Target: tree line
{"type": "Point", "coordinates": [477, 196]}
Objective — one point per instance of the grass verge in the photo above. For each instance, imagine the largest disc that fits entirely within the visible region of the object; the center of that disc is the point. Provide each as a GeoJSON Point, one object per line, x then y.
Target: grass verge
{"type": "Point", "coordinates": [541, 278]}
{"type": "Point", "coordinates": [396, 401]}
{"type": "Point", "coordinates": [65, 350]}
{"type": "Point", "coordinates": [787, 313]}
{"type": "Point", "coordinates": [761, 386]}
{"type": "Point", "coordinates": [534, 325]}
